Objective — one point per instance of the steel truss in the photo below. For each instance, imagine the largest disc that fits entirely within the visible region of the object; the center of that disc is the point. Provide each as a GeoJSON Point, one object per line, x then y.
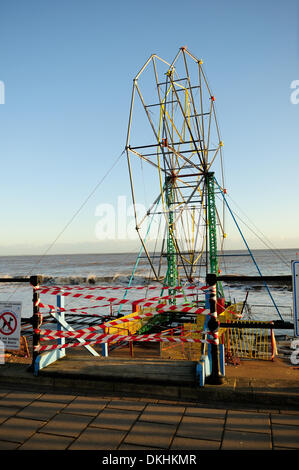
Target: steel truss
{"type": "Point", "coordinates": [173, 136]}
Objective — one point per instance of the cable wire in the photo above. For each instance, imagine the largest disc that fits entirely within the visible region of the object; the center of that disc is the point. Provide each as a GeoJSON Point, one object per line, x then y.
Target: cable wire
{"type": "Point", "coordinates": [72, 218]}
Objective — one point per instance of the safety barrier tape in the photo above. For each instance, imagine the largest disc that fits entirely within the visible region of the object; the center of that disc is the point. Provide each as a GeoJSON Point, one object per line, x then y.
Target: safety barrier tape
{"type": "Point", "coordinates": [159, 309]}
{"type": "Point", "coordinates": [42, 287]}
{"type": "Point", "coordinates": [53, 334]}
{"type": "Point", "coordinates": [118, 321]}
{"type": "Point", "coordinates": [146, 302]}
{"type": "Point", "coordinates": [73, 310]}
{"type": "Point", "coordinates": [104, 338]}
{"type": "Point", "coordinates": [58, 334]}
{"type": "Point", "coordinates": [96, 335]}
{"type": "Point", "coordinates": [81, 309]}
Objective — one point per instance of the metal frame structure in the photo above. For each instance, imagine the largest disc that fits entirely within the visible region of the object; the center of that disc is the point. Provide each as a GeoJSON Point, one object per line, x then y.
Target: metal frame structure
{"type": "Point", "coordinates": [179, 144]}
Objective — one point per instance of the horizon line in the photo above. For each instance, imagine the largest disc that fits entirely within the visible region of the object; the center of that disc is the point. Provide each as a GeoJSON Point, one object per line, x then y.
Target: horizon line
{"type": "Point", "coordinates": [137, 251]}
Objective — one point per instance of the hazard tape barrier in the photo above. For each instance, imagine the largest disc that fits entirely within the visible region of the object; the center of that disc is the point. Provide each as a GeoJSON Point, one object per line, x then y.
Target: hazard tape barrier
{"type": "Point", "coordinates": [163, 308]}
{"type": "Point", "coordinates": [95, 335]}
{"type": "Point", "coordinates": [159, 309]}
{"type": "Point", "coordinates": [81, 309]}
{"type": "Point", "coordinates": [146, 302]}
{"type": "Point", "coordinates": [58, 334]}
{"type": "Point", "coordinates": [43, 287]}
{"type": "Point", "coordinates": [104, 338]}
{"type": "Point", "coordinates": [92, 335]}
{"type": "Point", "coordinates": [73, 310]}
{"type": "Point", "coordinates": [52, 335]}
{"type": "Point", "coordinates": [112, 300]}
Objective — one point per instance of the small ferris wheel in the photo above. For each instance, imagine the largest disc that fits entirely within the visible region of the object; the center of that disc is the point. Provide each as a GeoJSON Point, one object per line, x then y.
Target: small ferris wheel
{"type": "Point", "coordinates": [174, 152]}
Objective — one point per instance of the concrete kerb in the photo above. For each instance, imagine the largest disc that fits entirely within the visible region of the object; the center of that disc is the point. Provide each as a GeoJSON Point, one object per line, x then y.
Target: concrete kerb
{"type": "Point", "coordinates": [242, 391]}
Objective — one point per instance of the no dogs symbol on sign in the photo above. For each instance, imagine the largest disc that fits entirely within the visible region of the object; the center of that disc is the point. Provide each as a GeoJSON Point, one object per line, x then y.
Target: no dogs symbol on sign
{"type": "Point", "coordinates": [10, 324]}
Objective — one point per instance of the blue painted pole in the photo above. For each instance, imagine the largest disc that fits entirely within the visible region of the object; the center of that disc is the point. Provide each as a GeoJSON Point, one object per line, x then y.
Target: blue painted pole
{"type": "Point", "coordinates": [61, 341]}
{"type": "Point", "coordinates": [105, 350]}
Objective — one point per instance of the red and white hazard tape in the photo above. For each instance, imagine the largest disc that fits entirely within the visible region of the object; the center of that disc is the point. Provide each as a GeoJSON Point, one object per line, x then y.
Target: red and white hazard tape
{"type": "Point", "coordinates": [119, 321]}
{"type": "Point", "coordinates": [72, 335]}
{"type": "Point", "coordinates": [96, 335]}
{"type": "Point", "coordinates": [73, 310]}
{"type": "Point", "coordinates": [162, 308]}
{"type": "Point", "coordinates": [43, 287]}
{"type": "Point", "coordinates": [104, 338]}
{"type": "Point", "coordinates": [146, 302]}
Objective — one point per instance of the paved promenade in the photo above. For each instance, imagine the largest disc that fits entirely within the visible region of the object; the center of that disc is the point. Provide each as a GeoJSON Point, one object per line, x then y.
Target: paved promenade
{"type": "Point", "coordinates": [255, 409]}
{"type": "Point", "coordinates": [58, 421]}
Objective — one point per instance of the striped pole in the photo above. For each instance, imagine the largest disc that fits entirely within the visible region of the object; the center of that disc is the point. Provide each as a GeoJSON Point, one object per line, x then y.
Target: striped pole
{"type": "Point", "coordinates": [36, 319]}
{"type": "Point", "coordinates": [214, 378]}
{"type": "Point", "coordinates": [60, 307]}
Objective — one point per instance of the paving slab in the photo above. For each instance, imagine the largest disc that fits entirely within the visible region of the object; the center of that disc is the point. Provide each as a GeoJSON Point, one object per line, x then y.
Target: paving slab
{"type": "Point", "coordinates": [158, 435]}
{"type": "Point", "coordinates": [67, 424]}
{"type": "Point", "coordinates": [241, 440]}
{"type": "Point", "coordinates": [135, 447]}
{"type": "Point", "coordinates": [41, 410]}
{"type": "Point", "coordinates": [201, 428]}
{"type": "Point", "coordinates": [123, 404]}
{"type": "Point", "coordinates": [57, 398]}
{"type": "Point", "coordinates": [111, 418]}
{"type": "Point", "coordinates": [19, 399]}
{"type": "Point", "coordinates": [248, 421]}
{"type": "Point", "coordinates": [285, 436]}
{"type": "Point", "coordinates": [98, 439]}
{"type": "Point", "coordinates": [19, 429]}
{"type": "Point", "coordinates": [185, 443]}
{"type": "Point", "coordinates": [85, 405]}
{"type": "Point", "coordinates": [286, 418]}
{"type": "Point", "coordinates": [163, 414]}
{"type": "Point", "coordinates": [5, 445]}
{"type": "Point", "coordinates": [205, 412]}
{"type": "Point", "coordinates": [40, 441]}
{"type": "Point", "coordinates": [7, 412]}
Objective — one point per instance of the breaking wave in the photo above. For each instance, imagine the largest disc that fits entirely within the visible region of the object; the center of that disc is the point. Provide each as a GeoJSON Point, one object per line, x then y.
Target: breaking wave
{"type": "Point", "coordinates": [91, 279]}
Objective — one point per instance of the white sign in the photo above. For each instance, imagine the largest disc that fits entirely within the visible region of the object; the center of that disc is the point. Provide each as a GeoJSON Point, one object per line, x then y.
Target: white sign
{"type": "Point", "coordinates": [295, 276]}
{"type": "Point", "coordinates": [10, 324]}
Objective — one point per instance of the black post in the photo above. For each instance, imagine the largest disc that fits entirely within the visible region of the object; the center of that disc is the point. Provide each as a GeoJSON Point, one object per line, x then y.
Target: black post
{"type": "Point", "coordinates": [36, 319]}
{"type": "Point", "coordinates": [215, 378]}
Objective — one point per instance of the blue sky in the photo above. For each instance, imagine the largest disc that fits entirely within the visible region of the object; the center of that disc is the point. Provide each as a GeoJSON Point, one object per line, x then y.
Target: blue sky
{"type": "Point", "coordinates": [68, 67]}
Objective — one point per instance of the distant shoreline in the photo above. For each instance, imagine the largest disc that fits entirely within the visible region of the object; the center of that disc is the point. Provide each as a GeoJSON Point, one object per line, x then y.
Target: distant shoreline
{"type": "Point", "coordinates": [244, 250]}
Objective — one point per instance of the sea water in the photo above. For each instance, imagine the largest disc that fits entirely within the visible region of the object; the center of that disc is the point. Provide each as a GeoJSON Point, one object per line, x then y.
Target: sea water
{"type": "Point", "coordinates": [115, 270]}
